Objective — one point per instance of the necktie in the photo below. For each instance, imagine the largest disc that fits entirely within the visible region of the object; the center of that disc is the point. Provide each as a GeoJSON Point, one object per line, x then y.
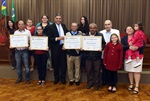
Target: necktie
{"type": "Point", "coordinates": [59, 31]}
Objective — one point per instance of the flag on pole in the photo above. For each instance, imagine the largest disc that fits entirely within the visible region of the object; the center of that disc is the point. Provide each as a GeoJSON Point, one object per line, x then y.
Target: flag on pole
{"type": "Point", "coordinates": [3, 9]}
{"type": "Point", "coordinates": [13, 15]}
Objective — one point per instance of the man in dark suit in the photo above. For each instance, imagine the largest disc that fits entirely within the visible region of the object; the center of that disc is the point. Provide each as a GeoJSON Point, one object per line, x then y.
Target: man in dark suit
{"type": "Point", "coordinates": [56, 33]}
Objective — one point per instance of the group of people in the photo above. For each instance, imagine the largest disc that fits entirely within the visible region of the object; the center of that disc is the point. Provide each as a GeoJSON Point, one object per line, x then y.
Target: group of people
{"type": "Point", "coordinates": [114, 51]}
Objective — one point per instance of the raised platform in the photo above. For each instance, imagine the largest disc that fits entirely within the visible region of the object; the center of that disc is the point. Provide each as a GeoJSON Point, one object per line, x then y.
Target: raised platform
{"type": "Point", "coordinates": [7, 72]}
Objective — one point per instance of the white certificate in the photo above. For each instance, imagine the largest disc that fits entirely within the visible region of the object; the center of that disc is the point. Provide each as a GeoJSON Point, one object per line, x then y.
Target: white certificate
{"type": "Point", "coordinates": [38, 43]}
{"type": "Point", "coordinates": [72, 42]}
{"type": "Point", "coordinates": [92, 43]}
{"type": "Point", "coordinates": [18, 41]}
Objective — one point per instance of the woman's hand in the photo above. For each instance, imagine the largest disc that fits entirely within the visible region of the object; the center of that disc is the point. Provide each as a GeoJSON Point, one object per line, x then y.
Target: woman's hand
{"type": "Point", "coordinates": [133, 48]}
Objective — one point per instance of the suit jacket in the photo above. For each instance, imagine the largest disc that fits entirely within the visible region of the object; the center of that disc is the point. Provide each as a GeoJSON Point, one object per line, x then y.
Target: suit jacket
{"type": "Point", "coordinates": [53, 33]}
{"type": "Point", "coordinates": [95, 55]}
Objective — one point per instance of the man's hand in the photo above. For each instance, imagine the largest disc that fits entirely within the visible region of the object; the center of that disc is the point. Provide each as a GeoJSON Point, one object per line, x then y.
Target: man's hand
{"type": "Point", "coordinates": [60, 38]}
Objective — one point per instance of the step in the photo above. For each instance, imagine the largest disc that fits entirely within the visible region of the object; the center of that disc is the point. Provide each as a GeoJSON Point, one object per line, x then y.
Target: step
{"type": "Point", "coordinates": [7, 72]}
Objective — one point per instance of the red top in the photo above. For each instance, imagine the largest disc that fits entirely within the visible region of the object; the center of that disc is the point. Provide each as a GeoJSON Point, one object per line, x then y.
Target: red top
{"type": "Point", "coordinates": [40, 52]}
{"type": "Point", "coordinates": [113, 56]}
{"type": "Point", "coordinates": [137, 39]}
{"type": "Point", "coordinates": [32, 30]}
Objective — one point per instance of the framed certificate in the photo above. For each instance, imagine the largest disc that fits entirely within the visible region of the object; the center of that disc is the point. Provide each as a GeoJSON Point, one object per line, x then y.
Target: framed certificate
{"type": "Point", "coordinates": [38, 43]}
{"type": "Point", "coordinates": [92, 43]}
{"type": "Point", "coordinates": [72, 42]}
{"type": "Point", "coordinates": [18, 41]}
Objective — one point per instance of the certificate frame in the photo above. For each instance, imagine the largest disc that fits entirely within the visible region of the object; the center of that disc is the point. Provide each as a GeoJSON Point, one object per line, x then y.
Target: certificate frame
{"type": "Point", "coordinates": [41, 42]}
{"type": "Point", "coordinates": [74, 40]}
{"type": "Point", "coordinates": [19, 41]}
{"type": "Point", "coordinates": [92, 43]}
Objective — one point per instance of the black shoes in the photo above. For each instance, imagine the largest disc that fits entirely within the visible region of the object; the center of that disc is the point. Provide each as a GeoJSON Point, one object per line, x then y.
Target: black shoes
{"type": "Point", "coordinates": [63, 82]}
{"type": "Point", "coordinates": [19, 80]}
{"type": "Point", "coordinates": [78, 83]}
{"type": "Point", "coordinates": [89, 86]}
{"type": "Point", "coordinates": [27, 82]}
{"type": "Point", "coordinates": [96, 87]}
{"type": "Point", "coordinates": [103, 83]}
{"type": "Point", "coordinates": [56, 82]}
{"type": "Point", "coordinates": [70, 83]}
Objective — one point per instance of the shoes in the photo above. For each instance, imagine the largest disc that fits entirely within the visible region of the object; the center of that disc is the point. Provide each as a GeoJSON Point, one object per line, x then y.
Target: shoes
{"type": "Point", "coordinates": [89, 86]}
{"type": "Point", "coordinates": [56, 82]}
{"type": "Point", "coordinates": [128, 61]}
{"type": "Point", "coordinates": [138, 64]}
{"type": "Point", "coordinates": [63, 82]}
{"type": "Point", "coordinates": [43, 82]}
{"type": "Point", "coordinates": [70, 83]}
{"type": "Point", "coordinates": [114, 89]}
{"type": "Point", "coordinates": [27, 82]}
{"type": "Point", "coordinates": [130, 87]}
{"type": "Point", "coordinates": [110, 89]}
{"type": "Point", "coordinates": [136, 90]}
{"type": "Point", "coordinates": [103, 83]}
{"type": "Point", "coordinates": [96, 87]}
{"type": "Point", "coordinates": [39, 82]}
{"type": "Point", "coordinates": [78, 83]}
{"type": "Point", "coordinates": [19, 80]}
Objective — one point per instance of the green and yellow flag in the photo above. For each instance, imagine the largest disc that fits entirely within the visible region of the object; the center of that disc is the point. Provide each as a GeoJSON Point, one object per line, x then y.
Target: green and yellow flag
{"type": "Point", "coordinates": [3, 9]}
{"type": "Point", "coordinates": [13, 14]}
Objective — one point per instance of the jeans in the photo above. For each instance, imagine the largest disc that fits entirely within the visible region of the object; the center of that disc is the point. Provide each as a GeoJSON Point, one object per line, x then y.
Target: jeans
{"type": "Point", "coordinates": [22, 56]}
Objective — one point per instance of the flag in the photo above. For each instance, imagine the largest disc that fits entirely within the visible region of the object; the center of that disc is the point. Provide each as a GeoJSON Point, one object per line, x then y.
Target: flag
{"type": "Point", "coordinates": [13, 15]}
{"type": "Point", "coordinates": [3, 9]}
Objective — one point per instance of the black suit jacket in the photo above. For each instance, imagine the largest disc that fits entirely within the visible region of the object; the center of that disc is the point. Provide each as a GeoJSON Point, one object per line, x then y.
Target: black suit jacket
{"type": "Point", "coordinates": [53, 33]}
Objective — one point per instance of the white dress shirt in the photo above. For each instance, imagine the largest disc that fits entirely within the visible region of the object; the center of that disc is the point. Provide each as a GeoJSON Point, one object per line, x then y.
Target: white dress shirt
{"type": "Point", "coordinates": [24, 32]}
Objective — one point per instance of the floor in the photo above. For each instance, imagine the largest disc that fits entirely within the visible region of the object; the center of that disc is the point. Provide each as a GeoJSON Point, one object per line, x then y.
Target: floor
{"type": "Point", "coordinates": [9, 91]}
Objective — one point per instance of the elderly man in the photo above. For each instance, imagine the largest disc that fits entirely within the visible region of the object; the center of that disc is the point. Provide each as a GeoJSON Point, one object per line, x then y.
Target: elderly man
{"type": "Point", "coordinates": [73, 58]}
{"type": "Point", "coordinates": [107, 32]}
{"type": "Point", "coordinates": [56, 33]}
{"type": "Point", "coordinates": [93, 60]}
{"type": "Point", "coordinates": [22, 54]}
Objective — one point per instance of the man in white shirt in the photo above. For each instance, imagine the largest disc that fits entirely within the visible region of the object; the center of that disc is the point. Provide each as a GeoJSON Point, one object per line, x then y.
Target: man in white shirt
{"type": "Point", "coordinates": [107, 32]}
{"type": "Point", "coordinates": [21, 54]}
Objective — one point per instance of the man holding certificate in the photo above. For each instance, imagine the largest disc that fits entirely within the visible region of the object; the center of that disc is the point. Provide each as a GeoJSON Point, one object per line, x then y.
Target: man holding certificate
{"type": "Point", "coordinates": [93, 59]}
{"type": "Point", "coordinates": [73, 56]}
{"type": "Point", "coordinates": [21, 52]}
{"type": "Point", "coordinates": [56, 33]}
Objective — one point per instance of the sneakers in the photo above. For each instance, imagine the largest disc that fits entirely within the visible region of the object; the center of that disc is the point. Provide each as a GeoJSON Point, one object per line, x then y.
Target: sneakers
{"type": "Point", "coordinates": [128, 61]}
{"type": "Point", "coordinates": [138, 64]}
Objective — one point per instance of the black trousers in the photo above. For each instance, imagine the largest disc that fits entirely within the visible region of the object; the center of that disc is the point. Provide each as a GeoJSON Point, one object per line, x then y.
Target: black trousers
{"type": "Point", "coordinates": [59, 63]}
{"type": "Point", "coordinates": [93, 72]}
{"type": "Point", "coordinates": [41, 61]}
{"type": "Point", "coordinates": [104, 73]}
{"type": "Point", "coordinates": [112, 78]}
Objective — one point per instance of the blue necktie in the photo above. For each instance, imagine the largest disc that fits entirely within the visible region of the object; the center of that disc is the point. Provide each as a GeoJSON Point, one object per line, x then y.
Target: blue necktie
{"type": "Point", "coordinates": [59, 31]}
